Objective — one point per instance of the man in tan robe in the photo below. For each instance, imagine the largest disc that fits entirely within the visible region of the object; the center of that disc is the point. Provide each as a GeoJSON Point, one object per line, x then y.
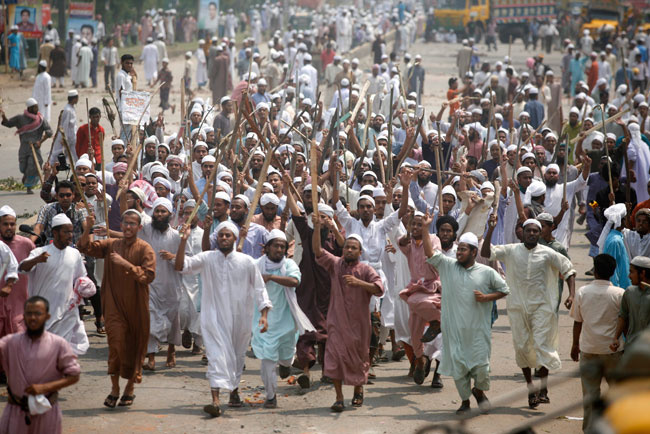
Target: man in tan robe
{"type": "Point", "coordinates": [129, 268]}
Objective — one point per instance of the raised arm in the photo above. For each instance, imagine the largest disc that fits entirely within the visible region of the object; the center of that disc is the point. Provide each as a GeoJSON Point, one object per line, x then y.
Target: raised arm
{"type": "Point", "coordinates": [487, 243]}
{"type": "Point", "coordinates": [315, 238]}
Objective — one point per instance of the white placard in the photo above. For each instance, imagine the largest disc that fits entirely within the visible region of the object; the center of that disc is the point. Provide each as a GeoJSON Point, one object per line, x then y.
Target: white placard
{"type": "Point", "coordinates": [132, 105]}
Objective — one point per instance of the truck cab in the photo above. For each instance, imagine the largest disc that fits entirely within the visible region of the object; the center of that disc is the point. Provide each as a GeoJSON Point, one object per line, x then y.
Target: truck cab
{"type": "Point", "coordinates": [457, 14]}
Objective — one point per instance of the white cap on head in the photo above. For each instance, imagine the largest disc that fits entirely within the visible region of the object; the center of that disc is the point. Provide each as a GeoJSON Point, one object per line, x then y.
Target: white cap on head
{"type": "Point", "coordinates": [356, 237]}
{"type": "Point", "coordinates": [368, 198]}
{"type": "Point", "coordinates": [164, 202]}
{"type": "Point", "coordinates": [83, 162]}
{"type": "Point", "coordinates": [223, 196]}
{"type": "Point", "coordinates": [532, 222]}
{"type": "Point", "coordinates": [7, 210]}
{"type": "Point", "coordinates": [269, 198]}
{"type": "Point", "coordinates": [229, 226]}
{"type": "Point", "coordinates": [640, 261]}
{"type": "Point", "coordinates": [469, 238]}
{"type": "Point", "coordinates": [275, 234]}
{"type": "Point", "coordinates": [43, 63]}
{"type": "Point", "coordinates": [244, 199]}
{"type": "Point", "coordinates": [60, 220]}
{"type": "Point", "coordinates": [31, 102]}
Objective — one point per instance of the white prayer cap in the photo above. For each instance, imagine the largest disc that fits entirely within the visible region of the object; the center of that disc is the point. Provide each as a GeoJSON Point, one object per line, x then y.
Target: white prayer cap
{"type": "Point", "coordinates": [524, 113]}
{"type": "Point", "coordinates": [224, 174]}
{"type": "Point", "coordinates": [163, 181]}
{"type": "Point", "coordinates": [527, 155]}
{"type": "Point", "coordinates": [601, 81]}
{"type": "Point", "coordinates": [31, 102]}
{"type": "Point", "coordinates": [307, 57]}
{"type": "Point", "coordinates": [523, 169]}
{"type": "Point", "coordinates": [7, 210]}
{"type": "Point", "coordinates": [368, 198]}
{"type": "Point", "coordinates": [244, 199]}
{"type": "Point", "coordinates": [488, 185]}
{"type": "Point", "coordinates": [83, 162]}
{"type": "Point", "coordinates": [575, 110]}
{"type": "Point", "coordinates": [200, 143]}
{"type": "Point", "coordinates": [150, 139]}
{"type": "Point", "coordinates": [611, 136]}
{"type": "Point", "coordinates": [639, 98]}
{"type": "Point", "coordinates": [60, 220]}
{"type": "Point", "coordinates": [615, 214]}
{"type": "Point", "coordinates": [275, 234]}
{"type": "Point", "coordinates": [511, 148]}
{"type": "Point", "coordinates": [43, 63]}
{"type": "Point", "coordinates": [553, 166]}
{"type": "Point", "coordinates": [201, 41]}
{"type": "Point", "coordinates": [345, 82]}
{"type": "Point", "coordinates": [262, 106]}
{"type": "Point", "coordinates": [166, 59]}
{"type": "Point", "coordinates": [208, 159]}
{"type": "Point", "coordinates": [228, 225]}
{"type": "Point", "coordinates": [545, 217]}
{"type": "Point", "coordinates": [117, 142]}
{"type": "Point", "coordinates": [223, 196]}
{"type": "Point", "coordinates": [536, 189]}
{"type": "Point", "coordinates": [549, 73]}
{"type": "Point", "coordinates": [290, 149]}
{"type": "Point", "coordinates": [448, 189]}
{"type": "Point", "coordinates": [268, 185]}
{"type": "Point", "coordinates": [356, 237]}
{"type": "Point", "coordinates": [190, 203]}
{"type": "Point", "coordinates": [640, 261]}
{"type": "Point", "coordinates": [196, 108]}
{"type": "Point", "coordinates": [378, 192]}
{"type": "Point", "coordinates": [308, 188]}
{"type": "Point", "coordinates": [533, 222]}
{"type": "Point", "coordinates": [326, 209]}
{"type": "Point", "coordinates": [261, 82]}
{"type": "Point", "coordinates": [369, 173]}
{"type": "Point", "coordinates": [72, 93]}
{"type": "Point", "coordinates": [469, 238]}
{"type": "Point", "coordinates": [411, 202]}
{"type": "Point", "coordinates": [269, 198]}
{"type": "Point", "coordinates": [551, 135]}
{"type": "Point", "coordinates": [164, 202]}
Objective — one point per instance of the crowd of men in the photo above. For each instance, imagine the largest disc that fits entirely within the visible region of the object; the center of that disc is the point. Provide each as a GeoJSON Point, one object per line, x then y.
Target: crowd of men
{"type": "Point", "coordinates": [324, 215]}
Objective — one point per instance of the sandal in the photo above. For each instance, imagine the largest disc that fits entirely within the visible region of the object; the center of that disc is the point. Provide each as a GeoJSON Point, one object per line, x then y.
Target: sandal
{"type": "Point", "coordinates": [126, 400]}
{"type": "Point", "coordinates": [212, 410]}
{"type": "Point", "coordinates": [100, 327]}
{"type": "Point", "coordinates": [357, 400]}
{"type": "Point", "coordinates": [111, 401]}
{"type": "Point", "coordinates": [532, 400]}
{"type": "Point", "coordinates": [338, 407]}
{"type": "Point", "coordinates": [235, 401]}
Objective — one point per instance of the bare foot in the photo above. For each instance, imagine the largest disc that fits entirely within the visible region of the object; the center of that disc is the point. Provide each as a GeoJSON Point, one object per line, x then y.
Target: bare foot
{"type": "Point", "coordinates": [171, 360]}
{"type": "Point", "coordinates": [150, 365]}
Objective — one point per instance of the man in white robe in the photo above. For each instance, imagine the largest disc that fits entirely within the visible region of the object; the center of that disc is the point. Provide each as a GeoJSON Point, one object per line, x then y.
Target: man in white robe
{"type": "Point", "coordinates": [43, 90]}
{"type": "Point", "coordinates": [201, 66]}
{"type": "Point", "coordinates": [191, 294]}
{"type": "Point", "coordinates": [150, 58]}
{"type": "Point", "coordinates": [554, 194]}
{"type": "Point", "coordinates": [53, 271]}
{"type": "Point", "coordinates": [165, 290]}
{"type": "Point", "coordinates": [232, 287]}
{"type": "Point", "coordinates": [73, 58]}
{"type": "Point", "coordinates": [637, 241]}
{"type": "Point", "coordinates": [531, 269]}
{"type": "Point", "coordinates": [84, 59]}
{"type": "Point", "coordinates": [162, 50]}
{"type": "Point", "coordinates": [69, 126]}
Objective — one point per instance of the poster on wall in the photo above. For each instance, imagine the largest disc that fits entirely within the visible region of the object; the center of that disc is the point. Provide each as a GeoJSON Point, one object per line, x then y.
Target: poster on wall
{"type": "Point", "coordinates": [81, 20]}
{"type": "Point", "coordinates": [209, 15]}
{"type": "Point", "coordinates": [27, 16]}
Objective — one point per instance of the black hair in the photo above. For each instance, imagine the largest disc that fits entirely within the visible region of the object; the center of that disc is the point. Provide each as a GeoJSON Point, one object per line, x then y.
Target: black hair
{"type": "Point", "coordinates": [35, 299]}
{"type": "Point", "coordinates": [64, 184]}
{"type": "Point", "coordinates": [447, 219]}
{"type": "Point", "coordinates": [94, 111]}
{"type": "Point", "coordinates": [126, 57]}
{"type": "Point", "coordinates": [452, 80]}
{"type": "Point", "coordinates": [604, 266]}
{"type": "Point", "coordinates": [133, 212]}
{"type": "Point", "coordinates": [29, 13]}
{"type": "Point", "coordinates": [605, 173]}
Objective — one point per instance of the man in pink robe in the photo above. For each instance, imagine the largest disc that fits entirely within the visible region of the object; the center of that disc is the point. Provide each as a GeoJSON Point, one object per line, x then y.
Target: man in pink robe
{"type": "Point", "coordinates": [37, 363]}
{"type": "Point", "coordinates": [422, 294]}
{"type": "Point", "coordinates": [11, 304]}
{"type": "Point", "coordinates": [347, 359]}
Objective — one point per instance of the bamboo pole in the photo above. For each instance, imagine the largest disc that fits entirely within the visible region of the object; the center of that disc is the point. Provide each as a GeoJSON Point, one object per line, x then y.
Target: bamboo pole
{"type": "Point", "coordinates": [36, 163]}
{"type": "Point", "coordinates": [101, 156]}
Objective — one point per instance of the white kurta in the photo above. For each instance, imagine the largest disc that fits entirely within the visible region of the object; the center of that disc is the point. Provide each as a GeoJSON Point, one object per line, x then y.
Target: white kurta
{"type": "Point", "coordinates": [531, 275]}
{"type": "Point", "coordinates": [553, 204]}
{"type": "Point", "coordinates": [8, 263]}
{"type": "Point", "coordinates": [191, 295]}
{"type": "Point", "coordinates": [54, 280]}
{"type": "Point", "coordinates": [231, 287]}
{"type": "Point", "coordinates": [73, 61]}
{"type": "Point", "coordinates": [201, 67]}
{"type": "Point", "coordinates": [43, 94]}
{"type": "Point", "coordinates": [636, 245]}
{"type": "Point", "coordinates": [69, 126]}
{"type": "Point", "coordinates": [162, 52]}
{"type": "Point", "coordinates": [164, 291]}
{"type": "Point", "coordinates": [398, 276]}
{"type": "Point", "coordinates": [123, 83]}
{"type": "Point", "coordinates": [84, 58]}
{"type": "Point", "coordinates": [150, 58]}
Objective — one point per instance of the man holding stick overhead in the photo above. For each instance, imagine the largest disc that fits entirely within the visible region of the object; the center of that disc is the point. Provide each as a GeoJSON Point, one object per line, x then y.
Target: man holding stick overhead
{"type": "Point", "coordinates": [33, 129]}
{"type": "Point", "coordinates": [91, 145]}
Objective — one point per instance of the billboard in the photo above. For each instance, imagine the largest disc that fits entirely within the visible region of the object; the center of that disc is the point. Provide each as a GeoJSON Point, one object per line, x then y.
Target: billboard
{"type": "Point", "coordinates": [81, 20]}
{"type": "Point", "coordinates": [27, 16]}
{"type": "Point", "coordinates": [209, 15]}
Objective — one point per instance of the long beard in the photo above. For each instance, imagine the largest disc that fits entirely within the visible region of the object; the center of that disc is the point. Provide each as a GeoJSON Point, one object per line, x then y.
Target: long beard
{"type": "Point", "coordinates": [550, 183]}
{"type": "Point", "coordinates": [225, 250]}
{"type": "Point", "coordinates": [160, 225]}
{"type": "Point", "coordinates": [36, 333]}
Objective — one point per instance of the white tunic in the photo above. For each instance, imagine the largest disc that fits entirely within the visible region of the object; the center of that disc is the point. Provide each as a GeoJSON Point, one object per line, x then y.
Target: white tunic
{"type": "Point", "coordinates": [73, 61]}
{"type": "Point", "coordinates": [201, 67]}
{"type": "Point", "coordinates": [191, 295]}
{"type": "Point", "coordinates": [54, 280]}
{"type": "Point", "coordinates": [69, 126]}
{"type": "Point", "coordinates": [165, 290]}
{"type": "Point", "coordinates": [122, 83]}
{"type": "Point", "coordinates": [150, 58]}
{"type": "Point", "coordinates": [84, 60]}
{"type": "Point", "coordinates": [8, 263]}
{"type": "Point", "coordinates": [635, 244]}
{"type": "Point", "coordinates": [553, 204]}
{"type": "Point", "coordinates": [43, 94]}
{"type": "Point", "coordinates": [231, 287]}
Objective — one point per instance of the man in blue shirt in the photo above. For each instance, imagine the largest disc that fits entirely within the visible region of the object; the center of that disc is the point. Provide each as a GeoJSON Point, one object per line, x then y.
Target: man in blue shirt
{"type": "Point", "coordinates": [534, 108]}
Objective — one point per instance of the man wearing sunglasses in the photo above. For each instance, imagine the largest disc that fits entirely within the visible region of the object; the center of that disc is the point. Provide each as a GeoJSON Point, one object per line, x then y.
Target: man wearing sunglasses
{"type": "Point", "coordinates": [64, 205]}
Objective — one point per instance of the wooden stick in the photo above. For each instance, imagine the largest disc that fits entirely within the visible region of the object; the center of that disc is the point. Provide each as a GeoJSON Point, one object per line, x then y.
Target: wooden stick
{"type": "Point", "coordinates": [600, 125]}
{"type": "Point", "coordinates": [101, 156]}
{"type": "Point", "coordinates": [314, 182]}
{"type": "Point", "coordinates": [36, 163]}
{"type": "Point", "coordinates": [389, 157]}
{"type": "Point", "coordinates": [74, 173]}
{"type": "Point", "coordinates": [357, 106]}
{"type": "Point", "coordinates": [533, 134]}
{"type": "Point", "coordinates": [56, 134]}
{"type": "Point", "coordinates": [119, 113]}
{"type": "Point", "coordinates": [91, 151]}
{"type": "Point", "coordinates": [609, 164]}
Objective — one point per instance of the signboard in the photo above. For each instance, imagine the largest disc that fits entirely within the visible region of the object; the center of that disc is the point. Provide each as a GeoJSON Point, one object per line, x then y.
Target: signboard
{"type": "Point", "coordinates": [27, 16]}
{"type": "Point", "coordinates": [81, 20]}
{"type": "Point", "coordinates": [209, 15]}
{"type": "Point", "coordinates": [132, 105]}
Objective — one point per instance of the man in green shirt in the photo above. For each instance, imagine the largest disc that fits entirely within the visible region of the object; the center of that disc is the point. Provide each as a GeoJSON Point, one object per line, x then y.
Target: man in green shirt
{"type": "Point", "coordinates": [634, 316]}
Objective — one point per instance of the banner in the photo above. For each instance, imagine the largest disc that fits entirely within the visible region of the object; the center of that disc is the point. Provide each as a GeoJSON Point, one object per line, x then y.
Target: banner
{"type": "Point", "coordinates": [209, 15]}
{"type": "Point", "coordinates": [27, 16]}
{"type": "Point", "coordinates": [132, 105]}
{"type": "Point", "coordinates": [81, 20]}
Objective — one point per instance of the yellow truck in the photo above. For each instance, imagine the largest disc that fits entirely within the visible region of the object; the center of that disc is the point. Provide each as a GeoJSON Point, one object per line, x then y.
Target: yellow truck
{"type": "Point", "coordinates": [512, 16]}
{"type": "Point", "coordinates": [601, 16]}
